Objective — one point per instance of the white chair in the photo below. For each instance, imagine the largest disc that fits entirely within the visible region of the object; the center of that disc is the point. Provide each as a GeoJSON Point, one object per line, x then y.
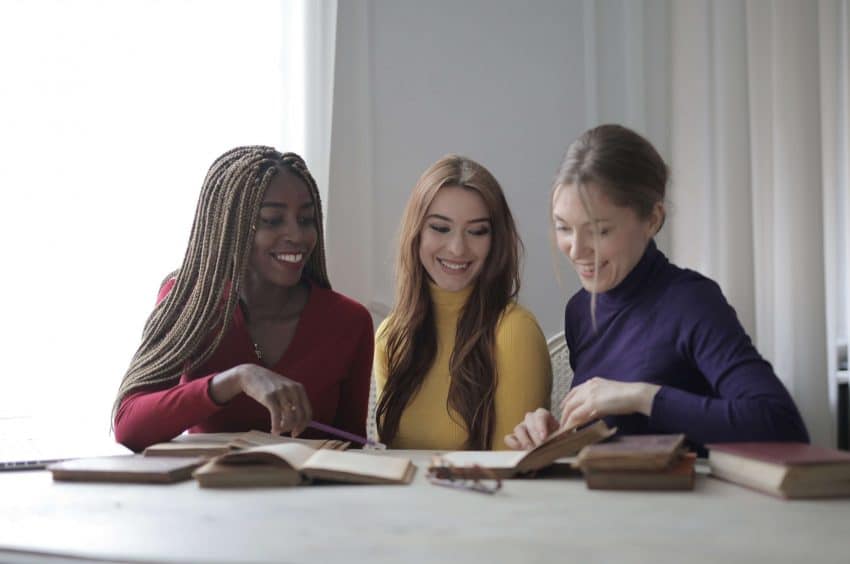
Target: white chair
{"type": "Point", "coordinates": [562, 373]}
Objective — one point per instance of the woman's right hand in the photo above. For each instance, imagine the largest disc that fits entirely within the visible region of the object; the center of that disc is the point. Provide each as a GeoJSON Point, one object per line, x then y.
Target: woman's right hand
{"type": "Point", "coordinates": [533, 430]}
{"type": "Point", "coordinates": [287, 402]}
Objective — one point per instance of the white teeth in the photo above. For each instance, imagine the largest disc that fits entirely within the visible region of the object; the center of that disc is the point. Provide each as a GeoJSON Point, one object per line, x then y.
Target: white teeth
{"type": "Point", "coordinates": [454, 265]}
{"type": "Point", "coordinates": [290, 257]}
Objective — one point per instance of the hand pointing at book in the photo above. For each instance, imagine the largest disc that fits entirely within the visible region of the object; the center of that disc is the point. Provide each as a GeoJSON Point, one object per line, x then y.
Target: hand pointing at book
{"type": "Point", "coordinates": [285, 399]}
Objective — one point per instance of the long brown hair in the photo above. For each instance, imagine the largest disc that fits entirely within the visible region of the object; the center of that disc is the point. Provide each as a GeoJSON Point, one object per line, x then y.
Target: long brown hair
{"type": "Point", "coordinates": [187, 326]}
{"type": "Point", "coordinates": [623, 165]}
{"type": "Point", "coordinates": [410, 330]}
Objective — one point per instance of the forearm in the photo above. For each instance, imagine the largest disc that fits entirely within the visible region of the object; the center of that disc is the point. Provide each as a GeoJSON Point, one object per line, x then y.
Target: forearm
{"type": "Point", "coordinates": [705, 419]}
{"type": "Point", "coordinates": [147, 418]}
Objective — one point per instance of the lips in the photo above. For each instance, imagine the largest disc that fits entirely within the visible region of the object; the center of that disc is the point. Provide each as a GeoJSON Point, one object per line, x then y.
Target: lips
{"type": "Point", "coordinates": [454, 267]}
{"type": "Point", "coordinates": [588, 270]}
{"type": "Point", "coordinates": [293, 259]}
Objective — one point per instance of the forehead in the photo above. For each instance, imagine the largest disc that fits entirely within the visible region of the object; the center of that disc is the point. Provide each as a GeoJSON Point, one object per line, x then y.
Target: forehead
{"type": "Point", "coordinates": [458, 204]}
{"type": "Point", "coordinates": [286, 187]}
{"type": "Point", "coordinates": [567, 204]}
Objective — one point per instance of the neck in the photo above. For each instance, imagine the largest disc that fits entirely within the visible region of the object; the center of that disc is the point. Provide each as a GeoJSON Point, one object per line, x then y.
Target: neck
{"type": "Point", "coordinates": [264, 300]}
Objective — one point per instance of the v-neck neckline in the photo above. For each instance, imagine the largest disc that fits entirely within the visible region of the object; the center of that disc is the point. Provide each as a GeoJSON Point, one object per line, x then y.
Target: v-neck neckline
{"type": "Point", "coordinates": [299, 329]}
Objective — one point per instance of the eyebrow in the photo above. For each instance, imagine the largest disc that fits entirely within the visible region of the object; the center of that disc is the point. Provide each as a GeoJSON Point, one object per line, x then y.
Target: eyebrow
{"type": "Point", "coordinates": [562, 220]}
{"type": "Point", "coordinates": [450, 220]}
{"type": "Point", "coordinates": [284, 206]}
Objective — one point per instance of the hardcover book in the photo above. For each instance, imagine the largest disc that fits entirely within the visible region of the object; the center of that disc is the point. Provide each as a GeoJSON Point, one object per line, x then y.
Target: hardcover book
{"type": "Point", "coordinates": [638, 462]}
{"type": "Point", "coordinates": [789, 470]}
{"type": "Point", "coordinates": [215, 444]}
{"type": "Point", "coordinates": [290, 464]}
{"type": "Point", "coordinates": [132, 468]}
{"type": "Point", "coordinates": [507, 464]}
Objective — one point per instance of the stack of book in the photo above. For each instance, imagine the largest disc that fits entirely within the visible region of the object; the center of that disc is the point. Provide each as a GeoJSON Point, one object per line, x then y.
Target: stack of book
{"type": "Point", "coordinates": [639, 462]}
{"type": "Point", "coordinates": [787, 470]}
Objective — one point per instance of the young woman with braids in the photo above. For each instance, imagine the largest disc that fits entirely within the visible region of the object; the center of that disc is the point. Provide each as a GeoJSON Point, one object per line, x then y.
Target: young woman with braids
{"type": "Point", "coordinates": [655, 348]}
{"type": "Point", "coordinates": [248, 334]}
{"type": "Point", "coordinates": [457, 361]}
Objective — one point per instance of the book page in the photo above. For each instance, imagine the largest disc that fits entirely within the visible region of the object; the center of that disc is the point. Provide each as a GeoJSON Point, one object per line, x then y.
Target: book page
{"type": "Point", "coordinates": [492, 459]}
{"type": "Point", "coordinates": [330, 462]}
{"type": "Point", "coordinates": [290, 454]}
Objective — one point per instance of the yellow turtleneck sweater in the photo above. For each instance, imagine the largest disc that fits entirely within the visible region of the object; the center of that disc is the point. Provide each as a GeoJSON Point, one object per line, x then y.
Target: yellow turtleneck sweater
{"type": "Point", "coordinates": [523, 377]}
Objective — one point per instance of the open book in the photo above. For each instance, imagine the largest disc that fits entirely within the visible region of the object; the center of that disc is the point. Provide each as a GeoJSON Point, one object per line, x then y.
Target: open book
{"type": "Point", "coordinates": [290, 464]}
{"type": "Point", "coordinates": [215, 444]}
{"type": "Point", "coordinates": [506, 464]}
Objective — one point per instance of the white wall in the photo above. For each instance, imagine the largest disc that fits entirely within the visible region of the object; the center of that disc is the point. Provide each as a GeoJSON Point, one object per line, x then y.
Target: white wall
{"type": "Point", "coordinates": [507, 83]}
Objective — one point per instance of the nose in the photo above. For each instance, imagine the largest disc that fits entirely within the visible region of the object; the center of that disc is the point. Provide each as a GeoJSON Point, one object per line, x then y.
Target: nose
{"type": "Point", "coordinates": [457, 244]}
{"type": "Point", "coordinates": [578, 247]}
{"type": "Point", "coordinates": [292, 232]}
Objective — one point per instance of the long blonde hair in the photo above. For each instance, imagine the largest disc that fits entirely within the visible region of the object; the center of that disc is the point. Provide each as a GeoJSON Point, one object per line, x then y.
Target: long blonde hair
{"type": "Point", "coordinates": [410, 330]}
{"type": "Point", "coordinates": [187, 326]}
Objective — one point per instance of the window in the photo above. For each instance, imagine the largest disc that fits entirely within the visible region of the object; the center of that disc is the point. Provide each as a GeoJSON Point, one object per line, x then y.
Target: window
{"type": "Point", "coordinates": [110, 115]}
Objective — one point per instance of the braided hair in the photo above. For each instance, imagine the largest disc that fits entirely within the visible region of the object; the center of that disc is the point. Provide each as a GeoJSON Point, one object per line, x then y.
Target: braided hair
{"type": "Point", "coordinates": [187, 326]}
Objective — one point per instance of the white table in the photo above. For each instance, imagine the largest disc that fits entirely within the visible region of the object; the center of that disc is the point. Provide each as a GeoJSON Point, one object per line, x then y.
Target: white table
{"type": "Point", "coordinates": [544, 520]}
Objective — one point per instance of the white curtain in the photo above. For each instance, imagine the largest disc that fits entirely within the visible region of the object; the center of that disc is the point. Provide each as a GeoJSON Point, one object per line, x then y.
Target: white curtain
{"type": "Point", "coordinates": [319, 57]}
{"type": "Point", "coordinates": [759, 196]}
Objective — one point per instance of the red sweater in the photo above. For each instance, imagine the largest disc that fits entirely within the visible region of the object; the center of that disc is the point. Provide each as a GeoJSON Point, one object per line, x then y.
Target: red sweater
{"type": "Point", "coordinates": [330, 355]}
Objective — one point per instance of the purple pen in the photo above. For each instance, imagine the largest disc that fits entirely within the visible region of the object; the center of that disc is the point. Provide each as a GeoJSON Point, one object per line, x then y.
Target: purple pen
{"type": "Point", "coordinates": [346, 435]}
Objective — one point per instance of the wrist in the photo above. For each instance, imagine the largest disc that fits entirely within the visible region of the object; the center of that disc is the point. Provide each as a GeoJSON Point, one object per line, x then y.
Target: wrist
{"type": "Point", "coordinates": [646, 397]}
{"type": "Point", "coordinates": [225, 386]}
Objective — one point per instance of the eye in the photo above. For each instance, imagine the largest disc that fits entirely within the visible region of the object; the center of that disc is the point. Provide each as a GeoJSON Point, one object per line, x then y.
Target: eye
{"type": "Point", "coordinates": [272, 221]}
{"type": "Point", "coordinates": [306, 221]}
{"type": "Point", "coordinates": [439, 228]}
{"type": "Point", "coordinates": [560, 227]}
{"type": "Point", "coordinates": [479, 231]}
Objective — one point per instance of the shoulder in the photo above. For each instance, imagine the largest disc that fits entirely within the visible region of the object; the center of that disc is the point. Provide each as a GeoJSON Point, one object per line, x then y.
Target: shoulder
{"type": "Point", "coordinates": [692, 291]}
{"type": "Point", "coordinates": [344, 309]}
{"type": "Point", "coordinates": [517, 321]}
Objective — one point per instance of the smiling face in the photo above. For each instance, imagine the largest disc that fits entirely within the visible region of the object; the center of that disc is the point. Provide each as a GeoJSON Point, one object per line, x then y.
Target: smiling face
{"type": "Point", "coordinates": [606, 247]}
{"type": "Point", "coordinates": [455, 238]}
{"type": "Point", "coordinates": [286, 231]}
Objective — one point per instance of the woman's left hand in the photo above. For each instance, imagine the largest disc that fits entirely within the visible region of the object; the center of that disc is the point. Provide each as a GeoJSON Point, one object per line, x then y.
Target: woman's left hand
{"type": "Point", "coordinates": [599, 397]}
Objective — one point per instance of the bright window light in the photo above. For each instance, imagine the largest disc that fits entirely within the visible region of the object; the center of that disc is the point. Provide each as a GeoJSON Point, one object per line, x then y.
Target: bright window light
{"type": "Point", "coordinates": [110, 114]}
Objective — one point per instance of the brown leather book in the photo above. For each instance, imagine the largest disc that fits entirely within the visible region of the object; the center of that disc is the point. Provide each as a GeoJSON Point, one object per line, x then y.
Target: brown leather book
{"type": "Point", "coordinates": [507, 464]}
{"type": "Point", "coordinates": [289, 464]}
{"type": "Point", "coordinates": [132, 468]}
{"type": "Point", "coordinates": [678, 475]}
{"type": "Point", "coordinates": [633, 452]}
{"type": "Point", "coordinates": [788, 470]}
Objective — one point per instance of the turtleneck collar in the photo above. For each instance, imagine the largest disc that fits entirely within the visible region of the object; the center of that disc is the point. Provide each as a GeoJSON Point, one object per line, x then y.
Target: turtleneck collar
{"type": "Point", "coordinates": [634, 280]}
{"type": "Point", "coordinates": [447, 301]}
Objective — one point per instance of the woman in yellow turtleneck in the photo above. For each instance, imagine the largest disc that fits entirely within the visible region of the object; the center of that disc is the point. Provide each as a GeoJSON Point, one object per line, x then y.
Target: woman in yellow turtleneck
{"type": "Point", "coordinates": [457, 361]}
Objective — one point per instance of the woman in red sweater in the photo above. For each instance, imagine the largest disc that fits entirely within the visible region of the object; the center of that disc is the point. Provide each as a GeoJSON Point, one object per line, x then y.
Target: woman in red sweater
{"type": "Point", "coordinates": [247, 333]}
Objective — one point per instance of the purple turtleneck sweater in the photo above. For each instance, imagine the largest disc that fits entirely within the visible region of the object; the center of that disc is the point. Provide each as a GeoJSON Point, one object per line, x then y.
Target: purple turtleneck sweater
{"type": "Point", "coordinates": [671, 326]}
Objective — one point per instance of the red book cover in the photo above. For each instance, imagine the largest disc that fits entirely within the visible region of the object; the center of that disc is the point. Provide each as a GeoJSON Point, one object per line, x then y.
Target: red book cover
{"type": "Point", "coordinates": [790, 454]}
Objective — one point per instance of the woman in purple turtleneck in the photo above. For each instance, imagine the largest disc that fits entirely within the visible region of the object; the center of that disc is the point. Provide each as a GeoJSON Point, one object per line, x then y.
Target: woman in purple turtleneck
{"type": "Point", "coordinates": [655, 348]}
